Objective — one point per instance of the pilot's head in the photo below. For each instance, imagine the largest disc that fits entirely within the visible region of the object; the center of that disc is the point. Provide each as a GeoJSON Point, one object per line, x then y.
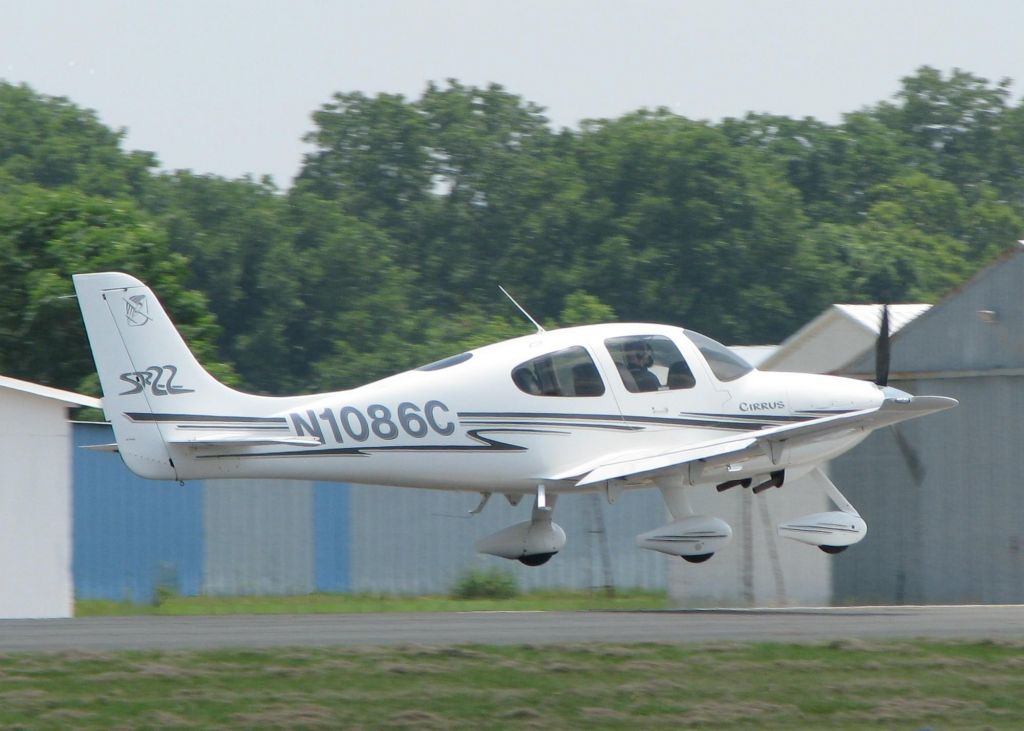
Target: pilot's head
{"type": "Point", "coordinates": [638, 355]}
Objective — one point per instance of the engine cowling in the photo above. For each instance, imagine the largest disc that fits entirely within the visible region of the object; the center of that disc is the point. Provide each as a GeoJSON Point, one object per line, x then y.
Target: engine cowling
{"type": "Point", "coordinates": [833, 529]}
{"type": "Point", "coordinates": [531, 542]}
{"type": "Point", "coordinates": [693, 536]}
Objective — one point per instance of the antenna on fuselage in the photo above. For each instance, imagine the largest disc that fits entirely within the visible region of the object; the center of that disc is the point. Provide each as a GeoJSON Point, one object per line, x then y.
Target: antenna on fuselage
{"type": "Point", "coordinates": [528, 317]}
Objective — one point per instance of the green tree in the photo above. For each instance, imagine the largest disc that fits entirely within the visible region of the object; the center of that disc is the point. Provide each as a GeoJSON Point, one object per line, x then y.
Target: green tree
{"type": "Point", "coordinates": [45, 237]}
{"type": "Point", "coordinates": [51, 142]}
{"type": "Point", "coordinates": [371, 156]}
{"type": "Point", "coordinates": [697, 231]}
{"type": "Point", "coordinates": [334, 310]}
{"type": "Point", "coordinates": [951, 121]}
{"type": "Point", "coordinates": [226, 230]}
{"type": "Point", "coordinates": [582, 308]}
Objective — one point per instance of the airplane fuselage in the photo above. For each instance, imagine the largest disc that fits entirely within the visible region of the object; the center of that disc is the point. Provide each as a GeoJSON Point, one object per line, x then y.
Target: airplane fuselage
{"type": "Point", "coordinates": [472, 412]}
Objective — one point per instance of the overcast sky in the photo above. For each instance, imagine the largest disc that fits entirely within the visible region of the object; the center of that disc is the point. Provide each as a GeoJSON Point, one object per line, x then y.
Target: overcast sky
{"type": "Point", "coordinates": [227, 87]}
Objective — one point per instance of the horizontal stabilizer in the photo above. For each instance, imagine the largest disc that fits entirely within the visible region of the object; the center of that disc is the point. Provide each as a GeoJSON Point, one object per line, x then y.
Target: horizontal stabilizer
{"type": "Point", "coordinates": [111, 448]}
{"type": "Point", "coordinates": [241, 439]}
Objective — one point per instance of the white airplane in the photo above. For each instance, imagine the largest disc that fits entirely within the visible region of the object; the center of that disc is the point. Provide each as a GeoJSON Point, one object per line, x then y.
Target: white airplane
{"type": "Point", "coordinates": [594, 408]}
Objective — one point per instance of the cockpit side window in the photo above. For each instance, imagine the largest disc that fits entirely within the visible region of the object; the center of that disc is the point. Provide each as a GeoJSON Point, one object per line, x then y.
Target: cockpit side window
{"type": "Point", "coordinates": [649, 363]}
{"type": "Point", "coordinates": [570, 372]}
{"type": "Point", "coordinates": [725, 364]}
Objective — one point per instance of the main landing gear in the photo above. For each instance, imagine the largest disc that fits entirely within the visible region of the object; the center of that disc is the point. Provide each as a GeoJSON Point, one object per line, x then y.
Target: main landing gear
{"type": "Point", "coordinates": [532, 542]}
{"type": "Point", "coordinates": [696, 538]}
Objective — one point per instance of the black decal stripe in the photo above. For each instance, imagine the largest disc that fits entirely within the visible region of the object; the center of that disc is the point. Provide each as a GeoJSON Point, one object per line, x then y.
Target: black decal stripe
{"type": "Point", "coordinates": [537, 415]}
{"type": "Point", "coordinates": [566, 424]}
{"type": "Point", "coordinates": [737, 422]}
{"type": "Point", "coordinates": [709, 423]}
{"type": "Point", "coordinates": [752, 416]}
{"type": "Point", "coordinates": [234, 427]}
{"type": "Point", "coordinates": [826, 412]}
{"type": "Point", "coordinates": [486, 444]}
{"type": "Point", "coordinates": [663, 420]}
{"type": "Point", "coordinates": [613, 417]}
{"type": "Point", "coordinates": [733, 422]}
{"type": "Point", "coordinates": [198, 418]}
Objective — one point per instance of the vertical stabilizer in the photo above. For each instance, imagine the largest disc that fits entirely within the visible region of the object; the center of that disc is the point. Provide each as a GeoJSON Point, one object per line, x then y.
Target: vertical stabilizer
{"type": "Point", "coordinates": [147, 373]}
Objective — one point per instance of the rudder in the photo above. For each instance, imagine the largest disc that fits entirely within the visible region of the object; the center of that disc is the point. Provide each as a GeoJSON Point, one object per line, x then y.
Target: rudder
{"type": "Point", "coordinates": [146, 370]}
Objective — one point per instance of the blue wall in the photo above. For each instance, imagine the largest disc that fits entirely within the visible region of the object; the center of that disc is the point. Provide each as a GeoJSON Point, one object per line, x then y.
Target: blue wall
{"type": "Point", "coordinates": [239, 537]}
{"type": "Point", "coordinates": [131, 535]}
{"type": "Point", "coordinates": [332, 537]}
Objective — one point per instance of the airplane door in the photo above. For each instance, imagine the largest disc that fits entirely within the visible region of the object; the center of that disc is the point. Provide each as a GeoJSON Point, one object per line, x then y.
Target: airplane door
{"type": "Point", "coordinates": [653, 381]}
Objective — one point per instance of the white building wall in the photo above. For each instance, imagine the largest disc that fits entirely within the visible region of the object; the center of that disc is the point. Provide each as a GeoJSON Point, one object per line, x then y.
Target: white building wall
{"type": "Point", "coordinates": [35, 507]}
{"type": "Point", "coordinates": [830, 346]}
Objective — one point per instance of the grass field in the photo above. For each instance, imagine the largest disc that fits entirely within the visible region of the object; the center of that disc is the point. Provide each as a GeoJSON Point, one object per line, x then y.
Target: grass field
{"type": "Point", "coordinates": [842, 685]}
{"type": "Point", "coordinates": [341, 603]}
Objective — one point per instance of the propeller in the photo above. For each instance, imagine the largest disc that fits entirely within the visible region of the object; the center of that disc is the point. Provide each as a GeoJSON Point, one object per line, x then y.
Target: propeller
{"type": "Point", "coordinates": [882, 351]}
{"type": "Point", "coordinates": [883, 355]}
{"type": "Point", "coordinates": [914, 464]}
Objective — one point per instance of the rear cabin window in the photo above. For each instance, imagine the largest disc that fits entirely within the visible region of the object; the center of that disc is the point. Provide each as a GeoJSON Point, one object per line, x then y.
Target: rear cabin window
{"type": "Point", "coordinates": [569, 372]}
{"type": "Point", "coordinates": [649, 363]}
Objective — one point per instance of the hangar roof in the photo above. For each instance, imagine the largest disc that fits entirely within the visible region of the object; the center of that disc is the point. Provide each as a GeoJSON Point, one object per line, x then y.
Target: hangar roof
{"type": "Point", "coordinates": [36, 389]}
{"type": "Point", "coordinates": [836, 337]}
{"type": "Point", "coordinates": [976, 329]}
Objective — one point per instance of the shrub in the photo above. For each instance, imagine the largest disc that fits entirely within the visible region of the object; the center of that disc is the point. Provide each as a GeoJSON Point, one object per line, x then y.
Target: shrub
{"type": "Point", "coordinates": [485, 584]}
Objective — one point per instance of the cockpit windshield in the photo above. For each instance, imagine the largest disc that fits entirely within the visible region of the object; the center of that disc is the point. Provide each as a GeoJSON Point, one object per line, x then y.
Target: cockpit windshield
{"type": "Point", "coordinates": [725, 364]}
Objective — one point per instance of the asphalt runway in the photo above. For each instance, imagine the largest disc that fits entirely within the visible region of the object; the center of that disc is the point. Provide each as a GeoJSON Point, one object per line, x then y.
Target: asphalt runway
{"type": "Point", "coordinates": [996, 622]}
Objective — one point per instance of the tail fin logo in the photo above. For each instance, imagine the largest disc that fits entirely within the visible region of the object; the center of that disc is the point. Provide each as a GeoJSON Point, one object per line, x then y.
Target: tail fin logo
{"type": "Point", "coordinates": [136, 310]}
{"type": "Point", "coordinates": [159, 379]}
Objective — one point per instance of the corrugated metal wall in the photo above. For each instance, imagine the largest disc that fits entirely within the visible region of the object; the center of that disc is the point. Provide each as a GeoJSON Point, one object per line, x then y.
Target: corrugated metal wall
{"type": "Point", "coordinates": [279, 537]}
{"type": "Point", "coordinates": [955, 535]}
{"type": "Point", "coordinates": [950, 529]}
{"type": "Point", "coordinates": [439, 535]}
{"type": "Point", "coordinates": [758, 567]}
{"type": "Point", "coordinates": [258, 537]}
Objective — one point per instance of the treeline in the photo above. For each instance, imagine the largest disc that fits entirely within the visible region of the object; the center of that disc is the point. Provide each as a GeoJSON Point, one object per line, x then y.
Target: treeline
{"type": "Point", "coordinates": [387, 250]}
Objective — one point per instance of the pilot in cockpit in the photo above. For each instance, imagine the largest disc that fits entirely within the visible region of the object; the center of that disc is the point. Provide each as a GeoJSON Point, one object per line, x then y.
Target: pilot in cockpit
{"type": "Point", "coordinates": [639, 359]}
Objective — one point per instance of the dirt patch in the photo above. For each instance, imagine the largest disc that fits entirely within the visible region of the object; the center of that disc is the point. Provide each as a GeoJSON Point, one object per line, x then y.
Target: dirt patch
{"type": "Point", "coordinates": [305, 716]}
{"type": "Point", "coordinates": [719, 713]}
{"type": "Point", "coordinates": [66, 717]}
{"type": "Point", "coordinates": [419, 668]}
{"type": "Point", "coordinates": [24, 695]}
{"type": "Point", "coordinates": [651, 666]}
{"type": "Point", "coordinates": [165, 719]}
{"type": "Point", "coordinates": [521, 714]}
{"type": "Point", "coordinates": [599, 713]}
{"type": "Point", "coordinates": [451, 651]}
{"type": "Point", "coordinates": [415, 718]}
{"type": "Point", "coordinates": [915, 709]}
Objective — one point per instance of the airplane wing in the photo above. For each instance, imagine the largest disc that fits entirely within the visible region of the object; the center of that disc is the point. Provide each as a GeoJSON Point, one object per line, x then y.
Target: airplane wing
{"type": "Point", "coordinates": [771, 441]}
